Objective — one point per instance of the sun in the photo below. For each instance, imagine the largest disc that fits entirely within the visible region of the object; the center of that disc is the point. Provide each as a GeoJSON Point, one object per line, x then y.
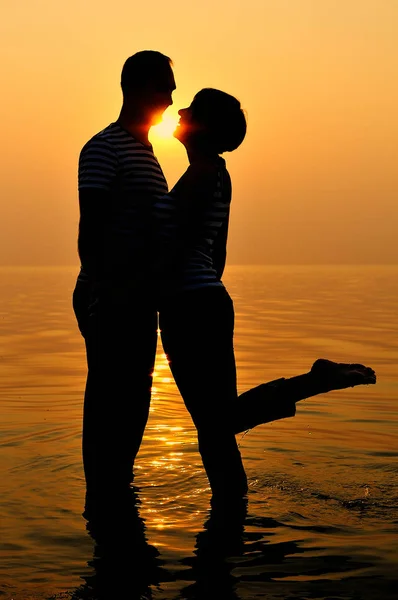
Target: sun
{"type": "Point", "coordinates": [166, 127]}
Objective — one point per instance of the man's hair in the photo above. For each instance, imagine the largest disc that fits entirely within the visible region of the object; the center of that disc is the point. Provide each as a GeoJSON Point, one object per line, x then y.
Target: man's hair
{"type": "Point", "coordinates": [223, 118]}
{"type": "Point", "coordinates": [142, 68]}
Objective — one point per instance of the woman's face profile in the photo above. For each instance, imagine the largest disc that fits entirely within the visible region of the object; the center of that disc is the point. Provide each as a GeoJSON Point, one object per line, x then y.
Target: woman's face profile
{"type": "Point", "coordinates": [189, 127]}
{"type": "Point", "coordinates": [184, 125]}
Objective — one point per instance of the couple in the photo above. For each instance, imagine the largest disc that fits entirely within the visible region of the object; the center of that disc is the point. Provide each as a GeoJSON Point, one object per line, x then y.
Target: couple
{"type": "Point", "coordinates": [147, 256]}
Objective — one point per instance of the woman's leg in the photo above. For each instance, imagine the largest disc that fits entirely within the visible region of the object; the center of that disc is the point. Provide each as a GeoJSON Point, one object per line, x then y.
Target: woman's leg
{"type": "Point", "coordinates": [277, 399]}
{"type": "Point", "coordinates": [197, 335]}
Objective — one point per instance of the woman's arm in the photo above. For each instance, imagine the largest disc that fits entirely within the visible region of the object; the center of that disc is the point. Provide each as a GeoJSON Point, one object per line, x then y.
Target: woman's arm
{"type": "Point", "coordinates": [220, 249]}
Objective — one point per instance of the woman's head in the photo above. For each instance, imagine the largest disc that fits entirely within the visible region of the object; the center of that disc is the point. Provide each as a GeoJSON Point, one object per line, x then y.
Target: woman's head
{"type": "Point", "coordinates": [214, 121]}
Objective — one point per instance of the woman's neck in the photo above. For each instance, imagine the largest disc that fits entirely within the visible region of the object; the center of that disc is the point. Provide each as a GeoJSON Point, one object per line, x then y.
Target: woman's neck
{"type": "Point", "coordinates": [201, 155]}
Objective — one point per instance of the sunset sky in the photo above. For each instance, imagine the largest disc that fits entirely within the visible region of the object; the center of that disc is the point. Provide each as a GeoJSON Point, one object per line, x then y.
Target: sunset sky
{"type": "Point", "coordinates": [315, 181]}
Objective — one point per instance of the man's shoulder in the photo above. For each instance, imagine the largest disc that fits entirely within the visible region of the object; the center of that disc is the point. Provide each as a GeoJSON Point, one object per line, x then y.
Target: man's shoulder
{"type": "Point", "coordinates": [115, 140]}
{"type": "Point", "coordinates": [106, 137]}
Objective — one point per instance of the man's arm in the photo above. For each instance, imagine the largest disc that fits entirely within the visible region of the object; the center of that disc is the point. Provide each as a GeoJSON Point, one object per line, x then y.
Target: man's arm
{"type": "Point", "coordinates": [97, 172]}
{"type": "Point", "coordinates": [93, 205]}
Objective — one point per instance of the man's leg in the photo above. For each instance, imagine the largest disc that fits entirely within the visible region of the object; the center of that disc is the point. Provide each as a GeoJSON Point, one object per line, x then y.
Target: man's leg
{"type": "Point", "coordinates": [197, 336]}
{"type": "Point", "coordinates": [121, 345]}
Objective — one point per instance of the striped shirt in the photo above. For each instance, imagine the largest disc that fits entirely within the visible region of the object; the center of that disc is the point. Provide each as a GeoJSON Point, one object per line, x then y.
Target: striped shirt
{"type": "Point", "coordinates": [114, 161]}
{"type": "Point", "coordinates": [189, 241]}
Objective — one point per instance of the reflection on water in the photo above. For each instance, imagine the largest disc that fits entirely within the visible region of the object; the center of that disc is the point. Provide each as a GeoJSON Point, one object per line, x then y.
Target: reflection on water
{"type": "Point", "coordinates": [124, 564]}
{"type": "Point", "coordinates": [322, 516]}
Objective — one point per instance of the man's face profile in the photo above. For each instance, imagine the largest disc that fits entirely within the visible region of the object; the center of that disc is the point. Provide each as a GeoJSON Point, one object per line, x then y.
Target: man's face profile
{"type": "Point", "coordinates": [158, 94]}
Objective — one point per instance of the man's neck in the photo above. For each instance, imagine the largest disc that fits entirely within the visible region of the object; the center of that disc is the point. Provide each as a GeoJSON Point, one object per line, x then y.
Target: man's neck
{"type": "Point", "coordinates": [135, 126]}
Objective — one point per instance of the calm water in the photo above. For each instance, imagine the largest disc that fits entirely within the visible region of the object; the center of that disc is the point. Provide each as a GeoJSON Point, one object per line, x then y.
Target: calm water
{"type": "Point", "coordinates": [322, 518]}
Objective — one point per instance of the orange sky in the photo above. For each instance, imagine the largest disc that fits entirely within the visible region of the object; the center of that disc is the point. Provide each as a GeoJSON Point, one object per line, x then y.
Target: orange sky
{"type": "Point", "coordinates": [316, 179]}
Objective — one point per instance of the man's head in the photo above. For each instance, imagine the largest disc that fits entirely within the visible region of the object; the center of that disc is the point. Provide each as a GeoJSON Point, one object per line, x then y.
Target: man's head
{"type": "Point", "coordinates": [148, 83]}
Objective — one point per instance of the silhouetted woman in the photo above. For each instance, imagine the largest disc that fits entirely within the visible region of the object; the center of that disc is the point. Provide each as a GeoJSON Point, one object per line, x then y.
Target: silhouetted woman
{"type": "Point", "coordinates": [196, 314]}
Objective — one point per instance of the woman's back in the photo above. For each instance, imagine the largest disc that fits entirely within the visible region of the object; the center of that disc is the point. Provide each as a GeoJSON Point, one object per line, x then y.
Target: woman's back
{"type": "Point", "coordinates": [192, 227]}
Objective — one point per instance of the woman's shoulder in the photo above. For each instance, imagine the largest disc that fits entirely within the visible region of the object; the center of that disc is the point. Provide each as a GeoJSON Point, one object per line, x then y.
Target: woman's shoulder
{"type": "Point", "coordinates": [204, 172]}
{"type": "Point", "coordinates": [201, 169]}
{"type": "Point", "coordinates": [199, 178]}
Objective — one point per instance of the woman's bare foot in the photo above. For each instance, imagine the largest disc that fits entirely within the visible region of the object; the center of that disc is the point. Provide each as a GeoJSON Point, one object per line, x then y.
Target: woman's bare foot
{"type": "Point", "coordinates": [338, 376]}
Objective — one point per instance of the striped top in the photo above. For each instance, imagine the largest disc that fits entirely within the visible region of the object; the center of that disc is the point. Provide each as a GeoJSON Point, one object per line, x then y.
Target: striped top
{"type": "Point", "coordinates": [192, 238]}
{"type": "Point", "coordinates": [114, 161]}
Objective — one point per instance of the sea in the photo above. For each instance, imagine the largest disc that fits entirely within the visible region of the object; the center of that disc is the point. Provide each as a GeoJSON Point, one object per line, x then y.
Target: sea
{"type": "Point", "coordinates": [321, 520]}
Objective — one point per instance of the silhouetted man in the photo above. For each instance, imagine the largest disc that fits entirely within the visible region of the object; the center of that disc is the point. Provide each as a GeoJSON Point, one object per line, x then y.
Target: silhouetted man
{"type": "Point", "coordinates": [119, 176]}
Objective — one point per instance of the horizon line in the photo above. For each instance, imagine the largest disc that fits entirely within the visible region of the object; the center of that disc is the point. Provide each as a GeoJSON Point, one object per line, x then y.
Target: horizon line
{"type": "Point", "coordinates": [301, 264]}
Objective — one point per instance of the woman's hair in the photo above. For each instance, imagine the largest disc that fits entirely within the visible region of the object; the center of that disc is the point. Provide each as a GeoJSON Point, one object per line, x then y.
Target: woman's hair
{"type": "Point", "coordinates": [223, 118]}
